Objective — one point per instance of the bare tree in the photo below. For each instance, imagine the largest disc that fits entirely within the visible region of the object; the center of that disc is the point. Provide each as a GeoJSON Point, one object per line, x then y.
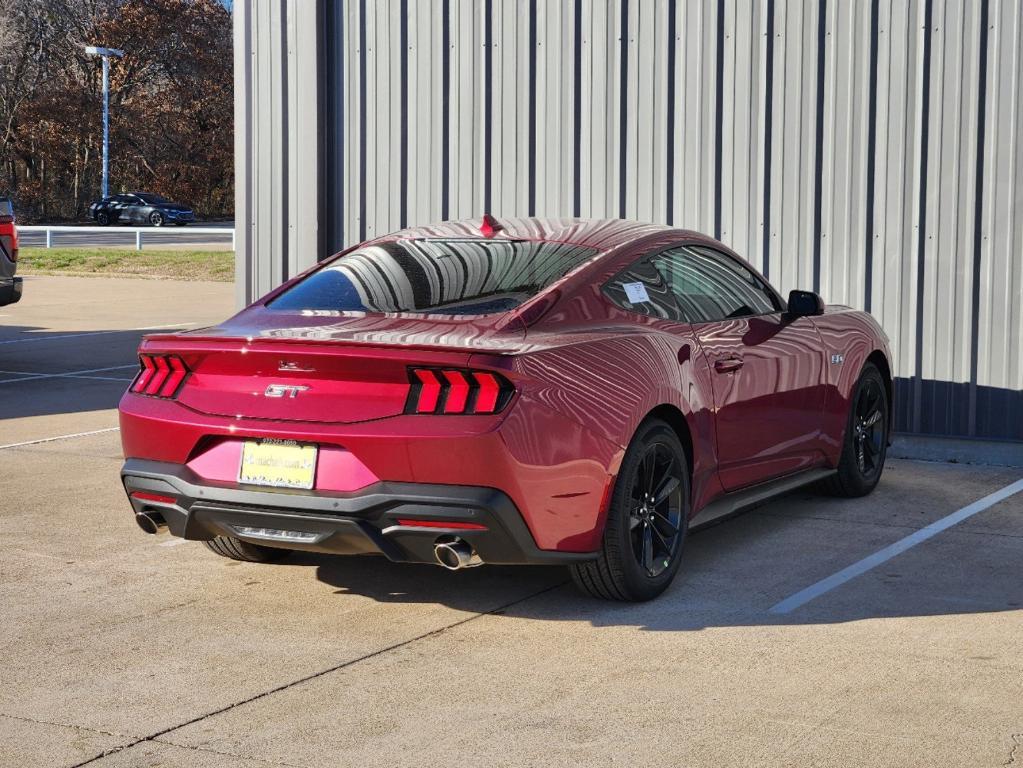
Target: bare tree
{"type": "Point", "coordinates": [171, 98]}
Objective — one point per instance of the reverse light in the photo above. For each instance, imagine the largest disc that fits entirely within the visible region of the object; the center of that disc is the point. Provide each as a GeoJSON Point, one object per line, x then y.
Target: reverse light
{"type": "Point", "coordinates": [454, 391]}
{"type": "Point", "coordinates": [159, 376]}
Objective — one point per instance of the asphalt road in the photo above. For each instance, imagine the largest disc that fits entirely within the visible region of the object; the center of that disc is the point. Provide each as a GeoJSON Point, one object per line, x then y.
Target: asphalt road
{"type": "Point", "coordinates": [153, 237]}
{"type": "Point", "coordinates": [121, 649]}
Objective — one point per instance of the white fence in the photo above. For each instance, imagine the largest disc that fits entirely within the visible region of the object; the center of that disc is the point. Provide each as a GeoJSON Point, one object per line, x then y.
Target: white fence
{"type": "Point", "coordinates": [164, 235]}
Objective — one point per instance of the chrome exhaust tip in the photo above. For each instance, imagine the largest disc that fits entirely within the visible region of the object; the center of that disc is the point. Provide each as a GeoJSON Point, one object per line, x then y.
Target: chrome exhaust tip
{"type": "Point", "coordinates": [150, 522]}
{"type": "Point", "coordinates": [455, 554]}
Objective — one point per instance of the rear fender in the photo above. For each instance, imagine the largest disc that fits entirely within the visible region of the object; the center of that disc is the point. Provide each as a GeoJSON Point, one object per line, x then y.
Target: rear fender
{"type": "Point", "coordinates": [609, 386]}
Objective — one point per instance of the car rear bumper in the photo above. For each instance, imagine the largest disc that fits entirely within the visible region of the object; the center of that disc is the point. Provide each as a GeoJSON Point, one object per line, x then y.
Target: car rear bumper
{"type": "Point", "coordinates": [364, 522]}
{"type": "Point", "coordinates": [10, 291]}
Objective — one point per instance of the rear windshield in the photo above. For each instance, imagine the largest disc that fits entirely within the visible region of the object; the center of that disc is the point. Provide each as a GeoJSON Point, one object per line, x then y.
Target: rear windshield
{"type": "Point", "coordinates": [449, 277]}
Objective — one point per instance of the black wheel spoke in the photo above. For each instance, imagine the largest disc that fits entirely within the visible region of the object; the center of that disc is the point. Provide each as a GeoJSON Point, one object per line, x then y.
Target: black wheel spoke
{"type": "Point", "coordinates": [648, 549]}
{"type": "Point", "coordinates": [664, 542]}
{"type": "Point", "coordinates": [665, 488]}
{"type": "Point", "coordinates": [873, 397]}
{"type": "Point", "coordinates": [651, 477]}
{"type": "Point", "coordinates": [873, 418]}
{"type": "Point", "coordinates": [667, 520]}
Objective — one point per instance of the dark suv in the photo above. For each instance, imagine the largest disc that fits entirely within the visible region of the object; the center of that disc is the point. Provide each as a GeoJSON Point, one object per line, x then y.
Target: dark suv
{"type": "Point", "coordinates": [140, 208]}
{"type": "Point", "coordinates": [10, 286]}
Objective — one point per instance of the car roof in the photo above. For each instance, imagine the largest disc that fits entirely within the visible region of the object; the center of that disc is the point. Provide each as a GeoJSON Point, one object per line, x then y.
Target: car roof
{"type": "Point", "coordinates": [600, 234]}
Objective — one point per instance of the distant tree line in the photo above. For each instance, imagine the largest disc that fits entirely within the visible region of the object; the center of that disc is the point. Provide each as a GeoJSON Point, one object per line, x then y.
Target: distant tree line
{"type": "Point", "coordinates": [171, 103]}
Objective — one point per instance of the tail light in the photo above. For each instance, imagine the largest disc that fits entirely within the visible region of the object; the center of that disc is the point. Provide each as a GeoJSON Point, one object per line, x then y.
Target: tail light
{"type": "Point", "coordinates": [160, 375]}
{"type": "Point", "coordinates": [457, 391]}
{"type": "Point", "coordinates": [7, 247]}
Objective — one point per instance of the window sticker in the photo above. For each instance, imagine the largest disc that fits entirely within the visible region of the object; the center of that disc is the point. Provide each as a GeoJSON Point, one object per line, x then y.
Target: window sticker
{"type": "Point", "coordinates": [636, 293]}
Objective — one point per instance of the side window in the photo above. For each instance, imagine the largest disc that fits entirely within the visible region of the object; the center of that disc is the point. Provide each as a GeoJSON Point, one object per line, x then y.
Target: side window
{"type": "Point", "coordinates": [711, 286]}
{"type": "Point", "coordinates": [641, 288]}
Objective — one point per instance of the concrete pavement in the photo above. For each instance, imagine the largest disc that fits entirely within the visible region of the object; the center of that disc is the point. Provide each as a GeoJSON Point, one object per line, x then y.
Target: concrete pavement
{"type": "Point", "coordinates": [127, 650]}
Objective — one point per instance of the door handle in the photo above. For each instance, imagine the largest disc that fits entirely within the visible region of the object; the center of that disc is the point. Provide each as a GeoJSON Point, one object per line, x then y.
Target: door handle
{"type": "Point", "coordinates": [728, 364]}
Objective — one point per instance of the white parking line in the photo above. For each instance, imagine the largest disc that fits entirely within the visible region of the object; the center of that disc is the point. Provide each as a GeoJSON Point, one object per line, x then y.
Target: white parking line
{"type": "Point", "coordinates": [802, 597]}
{"type": "Point", "coordinates": [60, 437]}
{"type": "Point", "coordinates": [96, 333]}
{"type": "Point", "coordinates": [29, 376]}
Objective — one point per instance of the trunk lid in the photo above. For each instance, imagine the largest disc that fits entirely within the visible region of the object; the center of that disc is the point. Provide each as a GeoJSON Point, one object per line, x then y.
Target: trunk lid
{"type": "Point", "coordinates": [319, 369]}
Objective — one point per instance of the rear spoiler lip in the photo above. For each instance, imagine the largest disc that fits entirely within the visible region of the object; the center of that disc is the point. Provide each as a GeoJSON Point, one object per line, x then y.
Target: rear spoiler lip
{"type": "Point", "coordinates": [171, 342]}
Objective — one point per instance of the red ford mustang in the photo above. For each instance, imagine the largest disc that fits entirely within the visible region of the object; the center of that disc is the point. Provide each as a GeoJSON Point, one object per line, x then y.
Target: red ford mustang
{"type": "Point", "coordinates": [529, 391]}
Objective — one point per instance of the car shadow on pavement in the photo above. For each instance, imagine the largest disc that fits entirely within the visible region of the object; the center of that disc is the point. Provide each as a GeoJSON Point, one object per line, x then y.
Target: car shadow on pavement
{"type": "Point", "coordinates": [46, 372]}
{"type": "Point", "coordinates": [733, 573]}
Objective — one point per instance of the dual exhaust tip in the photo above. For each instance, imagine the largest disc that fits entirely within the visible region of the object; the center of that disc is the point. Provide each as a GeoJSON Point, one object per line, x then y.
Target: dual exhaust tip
{"type": "Point", "coordinates": [150, 521]}
{"type": "Point", "coordinates": [452, 553]}
{"type": "Point", "coordinates": [455, 554]}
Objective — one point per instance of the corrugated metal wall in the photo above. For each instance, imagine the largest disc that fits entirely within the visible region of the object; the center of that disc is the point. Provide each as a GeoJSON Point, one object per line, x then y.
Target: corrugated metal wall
{"type": "Point", "coordinates": [868, 149]}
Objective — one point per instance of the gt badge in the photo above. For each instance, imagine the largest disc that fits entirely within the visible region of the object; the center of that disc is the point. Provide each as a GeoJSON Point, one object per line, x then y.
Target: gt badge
{"type": "Point", "coordinates": [837, 359]}
{"type": "Point", "coordinates": [285, 390]}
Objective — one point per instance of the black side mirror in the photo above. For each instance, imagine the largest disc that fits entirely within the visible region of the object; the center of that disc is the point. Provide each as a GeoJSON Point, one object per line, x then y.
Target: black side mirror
{"type": "Point", "coordinates": [805, 304]}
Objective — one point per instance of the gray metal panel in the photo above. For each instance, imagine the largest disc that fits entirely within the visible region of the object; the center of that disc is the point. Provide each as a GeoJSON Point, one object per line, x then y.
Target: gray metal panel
{"type": "Point", "coordinates": [465, 119]}
{"type": "Point", "coordinates": [868, 148]}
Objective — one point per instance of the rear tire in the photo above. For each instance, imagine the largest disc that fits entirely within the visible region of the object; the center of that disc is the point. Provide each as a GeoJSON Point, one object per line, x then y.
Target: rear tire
{"type": "Point", "coordinates": [865, 444]}
{"type": "Point", "coordinates": [647, 521]}
{"type": "Point", "coordinates": [103, 219]}
{"type": "Point", "coordinates": [236, 549]}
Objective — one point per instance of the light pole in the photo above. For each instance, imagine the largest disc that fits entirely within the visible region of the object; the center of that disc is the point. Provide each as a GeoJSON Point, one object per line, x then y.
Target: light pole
{"type": "Point", "coordinates": [106, 53]}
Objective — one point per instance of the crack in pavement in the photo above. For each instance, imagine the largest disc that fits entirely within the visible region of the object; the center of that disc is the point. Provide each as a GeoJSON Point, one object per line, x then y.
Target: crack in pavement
{"type": "Point", "coordinates": [1017, 742]}
{"type": "Point", "coordinates": [155, 737]}
{"type": "Point", "coordinates": [65, 725]}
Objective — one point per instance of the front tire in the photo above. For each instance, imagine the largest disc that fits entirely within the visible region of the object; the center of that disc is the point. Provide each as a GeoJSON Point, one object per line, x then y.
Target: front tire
{"type": "Point", "coordinates": [156, 219]}
{"type": "Point", "coordinates": [647, 521]}
{"type": "Point", "coordinates": [865, 444]}
{"type": "Point", "coordinates": [236, 549]}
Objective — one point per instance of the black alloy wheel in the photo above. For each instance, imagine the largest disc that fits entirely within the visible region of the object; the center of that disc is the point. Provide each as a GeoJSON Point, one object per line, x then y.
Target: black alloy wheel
{"type": "Point", "coordinates": [655, 517]}
{"type": "Point", "coordinates": [647, 520]}
{"type": "Point", "coordinates": [865, 445]}
{"type": "Point", "coordinates": [869, 427]}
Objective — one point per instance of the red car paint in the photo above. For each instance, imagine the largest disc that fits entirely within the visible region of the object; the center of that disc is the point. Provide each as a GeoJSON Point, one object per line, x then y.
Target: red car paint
{"type": "Point", "coordinates": [586, 373]}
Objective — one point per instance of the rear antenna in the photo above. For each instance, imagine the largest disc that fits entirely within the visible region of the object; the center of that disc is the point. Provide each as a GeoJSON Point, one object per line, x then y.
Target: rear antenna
{"type": "Point", "coordinates": [489, 227]}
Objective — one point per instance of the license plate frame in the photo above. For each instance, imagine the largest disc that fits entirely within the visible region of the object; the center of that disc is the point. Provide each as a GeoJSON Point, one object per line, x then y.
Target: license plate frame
{"type": "Point", "coordinates": [275, 463]}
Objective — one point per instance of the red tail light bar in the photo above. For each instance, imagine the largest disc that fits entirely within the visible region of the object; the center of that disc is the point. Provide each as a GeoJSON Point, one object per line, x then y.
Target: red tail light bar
{"type": "Point", "coordinates": [456, 391]}
{"type": "Point", "coordinates": [160, 375]}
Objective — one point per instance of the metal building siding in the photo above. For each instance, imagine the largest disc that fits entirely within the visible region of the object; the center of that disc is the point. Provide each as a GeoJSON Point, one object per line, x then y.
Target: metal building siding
{"type": "Point", "coordinates": [869, 149]}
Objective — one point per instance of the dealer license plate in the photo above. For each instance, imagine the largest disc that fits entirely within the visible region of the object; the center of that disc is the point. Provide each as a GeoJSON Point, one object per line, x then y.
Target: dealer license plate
{"type": "Point", "coordinates": [278, 463]}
